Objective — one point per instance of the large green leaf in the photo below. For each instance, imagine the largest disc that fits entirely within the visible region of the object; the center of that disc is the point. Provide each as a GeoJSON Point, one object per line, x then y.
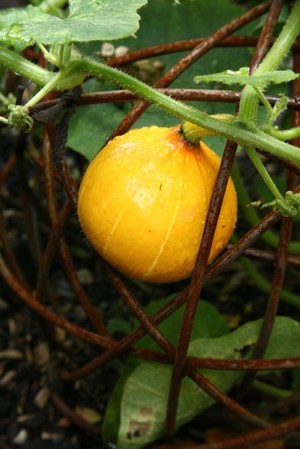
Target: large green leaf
{"type": "Point", "coordinates": [88, 123]}
{"type": "Point", "coordinates": [145, 392]}
{"type": "Point", "coordinates": [209, 323]}
{"type": "Point", "coordinates": [88, 20]}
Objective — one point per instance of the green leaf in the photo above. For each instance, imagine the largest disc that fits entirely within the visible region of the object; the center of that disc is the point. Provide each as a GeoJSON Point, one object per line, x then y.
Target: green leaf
{"type": "Point", "coordinates": [145, 395]}
{"type": "Point", "coordinates": [88, 20]}
{"type": "Point", "coordinates": [10, 18]}
{"type": "Point", "coordinates": [208, 323]}
{"type": "Point", "coordinates": [279, 107]}
{"type": "Point", "coordinates": [111, 422]}
{"type": "Point", "coordinates": [143, 406]}
{"type": "Point", "coordinates": [242, 77]}
{"type": "Point", "coordinates": [89, 123]}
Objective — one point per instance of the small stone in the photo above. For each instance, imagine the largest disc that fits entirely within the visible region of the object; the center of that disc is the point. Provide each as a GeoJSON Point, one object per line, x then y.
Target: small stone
{"type": "Point", "coordinates": [42, 397]}
{"type": "Point", "coordinates": [42, 354]}
{"type": "Point", "coordinates": [31, 421]}
{"type": "Point", "coordinates": [59, 334]}
{"type": "Point", "coordinates": [3, 305]}
{"type": "Point", "coordinates": [51, 436]}
{"type": "Point", "coordinates": [85, 276]}
{"type": "Point", "coordinates": [121, 50]}
{"type": "Point", "coordinates": [21, 437]}
{"type": "Point", "coordinates": [11, 354]}
{"type": "Point", "coordinates": [107, 50]}
{"type": "Point", "coordinates": [89, 414]}
{"type": "Point", "coordinates": [8, 378]}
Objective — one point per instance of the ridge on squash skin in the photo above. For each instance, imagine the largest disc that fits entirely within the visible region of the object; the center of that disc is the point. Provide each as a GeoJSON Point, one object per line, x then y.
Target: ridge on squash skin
{"type": "Point", "coordinates": [163, 243]}
{"type": "Point", "coordinates": [143, 202]}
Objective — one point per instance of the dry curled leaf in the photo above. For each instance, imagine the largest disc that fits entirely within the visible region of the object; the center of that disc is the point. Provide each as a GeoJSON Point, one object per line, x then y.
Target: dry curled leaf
{"type": "Point", "coordinates": [88, 414]}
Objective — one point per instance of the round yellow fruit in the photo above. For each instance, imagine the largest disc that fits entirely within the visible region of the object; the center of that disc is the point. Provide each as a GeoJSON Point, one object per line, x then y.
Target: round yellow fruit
{"type": "Point", "coordinates": [143, 201]}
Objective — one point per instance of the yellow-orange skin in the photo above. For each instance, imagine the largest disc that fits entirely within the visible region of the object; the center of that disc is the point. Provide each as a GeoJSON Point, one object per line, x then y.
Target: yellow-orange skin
{"type": "Point", "coordinates": [143, 201]}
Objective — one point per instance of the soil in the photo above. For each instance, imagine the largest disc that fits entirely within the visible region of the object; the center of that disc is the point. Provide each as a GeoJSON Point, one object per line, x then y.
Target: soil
{"type": "Point", "coordinates": [39, 409]}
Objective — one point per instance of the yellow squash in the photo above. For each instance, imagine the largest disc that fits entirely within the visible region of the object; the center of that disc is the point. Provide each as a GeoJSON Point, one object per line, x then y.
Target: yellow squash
{"type": "Point", "coordinates": [143, 201]}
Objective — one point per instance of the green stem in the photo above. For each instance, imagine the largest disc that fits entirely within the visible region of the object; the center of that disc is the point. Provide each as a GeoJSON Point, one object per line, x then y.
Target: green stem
{"type": "Point", "coordinates": [50, 86]}
{"type": "Point", "coordinates": [47, 55]}
{"type": "Point", "coordinates": [263, 172]}
{"type": "Point", "coordinates": [59, 55]}
{"type": "Point", "coordinates": [251, 96]}
{"type": "Point", "coordinates": [51, 6]}
{"type": "Point", "coordinates": [6, 101]}
{"type": "Point", "coordinates": [64, 54]}
{"type": "Point", "coordinates": [264, 101]}
{"type": "Point", "coordinates": [285, 134]}
{"type": "Point", "coordinates": [262, 284]}
{"type": "Point", "coordinates": [283, 43]}
{"type": "Point", "coordinates": [4, 120]}
{"type": "Point", "coordinates": [67, 78]}
{"type": "Point", "coordinates": [76, 69]}
{"type": "Point", "coordinates": [276, 392]}
{"type": "Point", "coordinates": [269, 237]}
{"type": "Point", "coordinates": [24, 68]}
{"type": "Point", "coordinates": [243, 134]}
{"type": "Point", "coordinates": [281, 47]}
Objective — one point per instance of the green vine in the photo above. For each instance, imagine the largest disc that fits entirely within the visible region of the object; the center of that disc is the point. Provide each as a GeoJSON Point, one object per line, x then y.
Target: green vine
{"type": "Point", "coordinates": [265, 286]}
{"type": "Point", "coordinates": [251, 215]}
{"type": "Point", "coordinates": [273, 59]}
{"type": "Point", "coordinates": [78, 68]}
{"type": "Point", "coordinates": [74, 68]}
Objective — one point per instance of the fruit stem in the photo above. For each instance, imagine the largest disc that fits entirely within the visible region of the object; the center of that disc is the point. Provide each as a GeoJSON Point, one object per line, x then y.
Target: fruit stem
{"type": "Point", "coordinates": [195, 133]}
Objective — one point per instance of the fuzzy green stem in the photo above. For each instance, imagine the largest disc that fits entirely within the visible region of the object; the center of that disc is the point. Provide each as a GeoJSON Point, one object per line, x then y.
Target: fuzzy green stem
{"type": "Point", "coordinates": [47, 55]}
{"type": "Point", "coordinates": [67, 78]}
{"type": "Point", "coordinates": [264, 101]}
{"type": "Point", "coordinates": [44, 91]}
{"type": "Point", "coordinates": [24, 68]}
{"type": "Point", "coordinates": [273, 59]}
{"type": "Point", "coordinates": [285, 134]}
{"type": "Point", "coordinates": [75, 71]}
{"type": "Point", "coordinates": [242, 133]}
